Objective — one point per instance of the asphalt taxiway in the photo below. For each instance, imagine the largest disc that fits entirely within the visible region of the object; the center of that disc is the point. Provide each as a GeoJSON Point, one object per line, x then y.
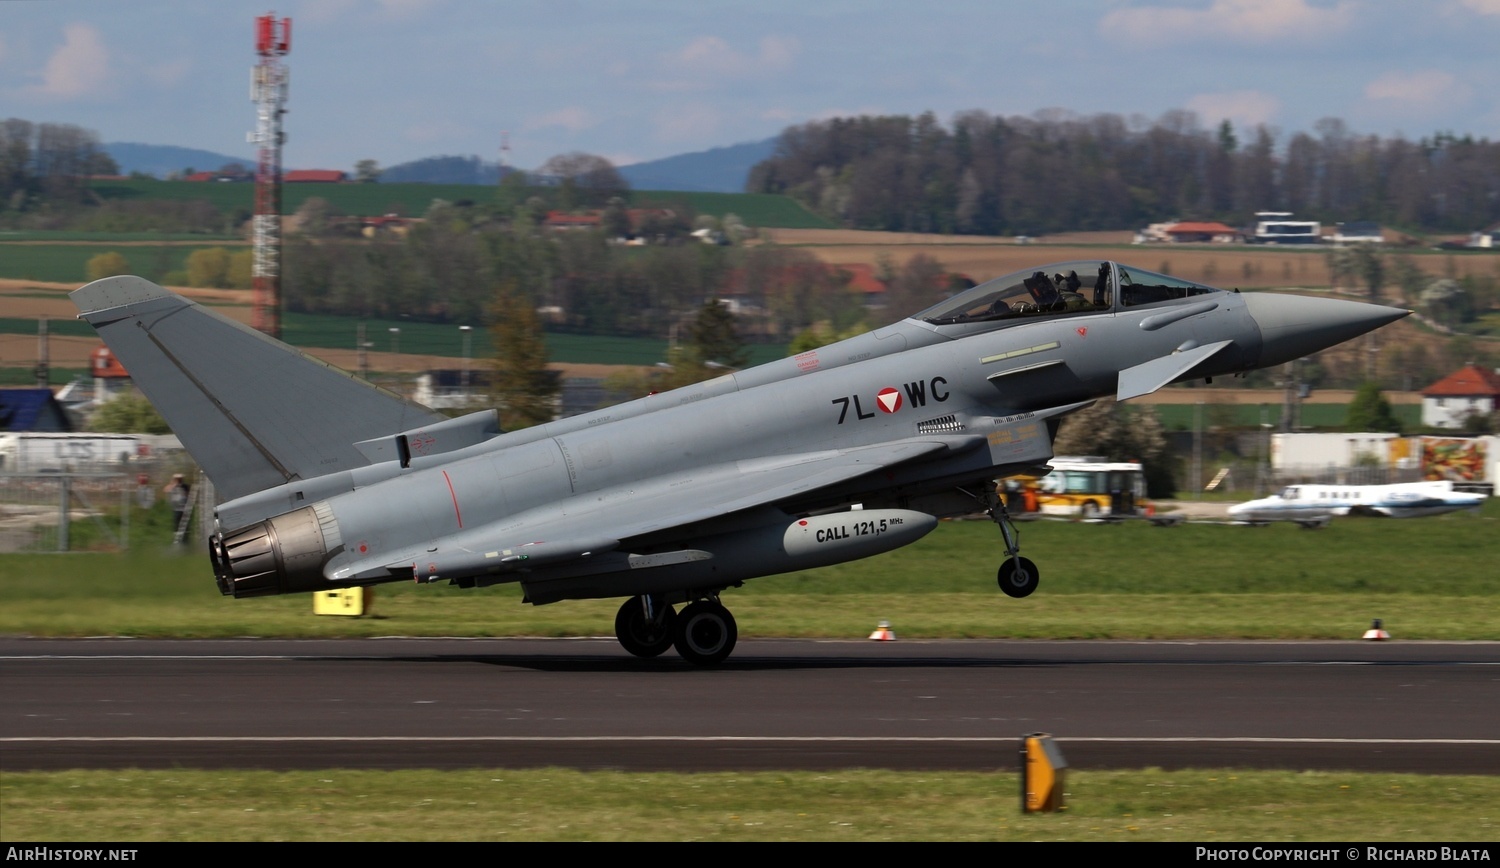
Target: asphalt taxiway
{"type": "Point", "coordinates": [399, 703]}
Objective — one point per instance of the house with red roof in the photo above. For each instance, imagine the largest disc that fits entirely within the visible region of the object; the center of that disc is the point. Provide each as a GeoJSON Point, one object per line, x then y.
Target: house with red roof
{"type": "Point", "coordinates": [562, 221]}
{"type": "Point", "coordinates": [1466, 392]}
{"type": "Point", "coordinates": [1190, 231]}
{"type": "Point", "coordinates": [314, 176]}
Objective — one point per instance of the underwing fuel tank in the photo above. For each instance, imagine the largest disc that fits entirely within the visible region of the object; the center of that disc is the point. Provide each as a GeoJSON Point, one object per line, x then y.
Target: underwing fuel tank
{"type": "Point", "coordinates": [281, 555]}
{"type": "Point", "coordinates": [819, 540]}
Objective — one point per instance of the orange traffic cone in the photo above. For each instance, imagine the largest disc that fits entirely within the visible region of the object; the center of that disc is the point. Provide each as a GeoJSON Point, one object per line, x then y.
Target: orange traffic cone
{"type": "Point", "coordinates": [1375, 632]}
{"type": "Point", "coordinates": [883, 633]}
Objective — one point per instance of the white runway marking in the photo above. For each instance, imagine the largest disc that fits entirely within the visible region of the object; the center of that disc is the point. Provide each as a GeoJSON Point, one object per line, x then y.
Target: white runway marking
{"type": "Point", "coordinates": [501, 739]}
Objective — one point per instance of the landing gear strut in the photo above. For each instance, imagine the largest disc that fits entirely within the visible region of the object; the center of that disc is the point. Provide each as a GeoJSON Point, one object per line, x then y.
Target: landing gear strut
{"type": "Point", "coordinates": [704, 632]}
{"type": "Point", "coordinates": [646, 626]}
{"type": "Point", "coordinates": [1018, 576]}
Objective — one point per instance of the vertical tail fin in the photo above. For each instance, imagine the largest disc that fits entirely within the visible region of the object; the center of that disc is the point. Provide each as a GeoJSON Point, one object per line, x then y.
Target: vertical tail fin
{"type": "Point", "coordinates": [254, 412]}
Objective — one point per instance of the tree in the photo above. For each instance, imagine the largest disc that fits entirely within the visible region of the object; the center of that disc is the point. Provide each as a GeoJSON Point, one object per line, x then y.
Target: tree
{"type": "Point", "coordinates": [1409, 277]}
{"type": "Point", "coordinates": [523, 390]}
{"type": "Point", "coordinates": [585, 179]}
{"type": "Point", "coordinates": [1370, 266]}
{"type": "Point", "coordinates": [714, 338]}
{"type": "Point", "coordinates": [681, 368]}
{"type": "Point", "coordinates": [366, 171]}
{"type": "Point", "coordinates": [615, 221]}
{"type": "Point", "coordinates": [1370, 411]}
{"type": "Point", "coordinates": [314, 217]}
{"type": "Point", "coordinates": [1446, 301]}
{"type": "Point", "coordinates": [1118, 433]}
{"type": "Point", "coordinates": [241, 271]}
{"type": "Point", "coordinates": [821, 334]}
{"type": "Point", "coordinates": [107, 265]}
{"type": "Point", "coordinates": [918, 284]}
{"type": "Point", "coordinates": [128, 414]}
{"type": "Point", "coordinates": [208, 268]}
{"type": "Point", "coordinates": [48, 161]}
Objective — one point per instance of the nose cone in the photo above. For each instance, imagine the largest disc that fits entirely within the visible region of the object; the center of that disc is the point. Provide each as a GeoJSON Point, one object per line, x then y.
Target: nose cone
{"type": "Point", "coordinates": [1292, 326]}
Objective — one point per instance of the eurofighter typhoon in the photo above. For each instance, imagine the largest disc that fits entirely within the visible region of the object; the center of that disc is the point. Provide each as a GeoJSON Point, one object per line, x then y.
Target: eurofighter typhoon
{"type": "Point", "coordinates": [838, 453]}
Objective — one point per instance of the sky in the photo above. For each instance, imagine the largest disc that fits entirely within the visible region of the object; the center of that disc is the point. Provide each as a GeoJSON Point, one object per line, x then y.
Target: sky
{"type": "Point", "coordinates": [398, 80]}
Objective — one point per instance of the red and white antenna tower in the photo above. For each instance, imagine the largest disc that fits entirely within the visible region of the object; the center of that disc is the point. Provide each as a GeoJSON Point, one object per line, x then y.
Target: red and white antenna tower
{"type": "Point", "coordinates": [268, 88]}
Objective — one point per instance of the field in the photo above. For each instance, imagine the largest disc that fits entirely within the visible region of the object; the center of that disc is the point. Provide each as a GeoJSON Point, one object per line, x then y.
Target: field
{"type": "Point", "coordinates": [422, 346]}
{"type": "Point", "coordinates": [413, 200]}
{"type": "Point", "coordinates": [1228, 266]}
{"type": "Point", "coordinates": [1131, 581]}
{"type": "Point", "coordinates": [67, 263]}
{"type": "Point", "coordinates": [1200, 806]}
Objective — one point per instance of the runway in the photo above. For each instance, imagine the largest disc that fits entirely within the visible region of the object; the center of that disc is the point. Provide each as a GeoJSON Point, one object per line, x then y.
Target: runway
{"type": "Point", "coordinates": [777, 704]}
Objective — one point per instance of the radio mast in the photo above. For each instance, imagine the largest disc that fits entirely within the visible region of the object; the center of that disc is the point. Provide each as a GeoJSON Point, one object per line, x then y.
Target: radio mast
{"type": "Point", "coordinates": [268, 89]}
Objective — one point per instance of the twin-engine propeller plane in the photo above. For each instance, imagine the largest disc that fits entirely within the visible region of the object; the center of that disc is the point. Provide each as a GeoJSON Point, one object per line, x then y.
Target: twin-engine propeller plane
{"type": "Point", "coordinates": [838, 453]}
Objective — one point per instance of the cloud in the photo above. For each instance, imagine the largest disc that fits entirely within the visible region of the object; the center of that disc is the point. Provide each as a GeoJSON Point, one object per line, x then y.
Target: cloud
{"type": "Point", "coordinates": [79, 68]}
{"type": "Point", "coordinates": [713, 56]}
{"type": "Point", "coordinates": [1483, 7]}
{"type": "Point", "coordinates": [1427, 87]}
{"type": "Point", "coordinates": [1246, 108]}
{"type": "Point", "coordinates": [572, 118]}
{"type": "Point", "coordinates": [1233, 20]}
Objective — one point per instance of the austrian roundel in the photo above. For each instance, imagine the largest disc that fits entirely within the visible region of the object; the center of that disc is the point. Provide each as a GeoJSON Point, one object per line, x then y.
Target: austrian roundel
{"type": "Point", "coordinates": [888, 399]}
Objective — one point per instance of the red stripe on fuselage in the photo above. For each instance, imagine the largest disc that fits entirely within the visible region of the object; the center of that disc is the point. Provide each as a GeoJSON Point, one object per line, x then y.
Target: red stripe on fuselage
{"type": "Point", "coordinates": [456, 514]}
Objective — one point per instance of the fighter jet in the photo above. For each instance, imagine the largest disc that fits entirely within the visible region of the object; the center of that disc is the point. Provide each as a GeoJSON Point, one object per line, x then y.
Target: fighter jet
{"type": "Point", "coordinates": [838, 453]}
{"type": "Point", "coordinates": [1313, 505]}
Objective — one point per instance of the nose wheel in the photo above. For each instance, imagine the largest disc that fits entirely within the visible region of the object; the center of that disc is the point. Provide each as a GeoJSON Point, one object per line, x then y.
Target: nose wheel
{"type": "Point", "coordinates": [1018, 577]}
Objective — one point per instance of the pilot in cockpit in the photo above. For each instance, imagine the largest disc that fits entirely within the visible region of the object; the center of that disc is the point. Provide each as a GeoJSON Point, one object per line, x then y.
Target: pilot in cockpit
{"type": "Point", "coordinates": [1042, 290]}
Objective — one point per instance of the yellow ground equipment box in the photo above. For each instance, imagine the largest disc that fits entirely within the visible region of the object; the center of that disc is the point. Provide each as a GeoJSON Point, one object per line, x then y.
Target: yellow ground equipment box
{"type": "Point", "coordinates": [1042, 767]}
{"type": "Point", "coordinates": [344, 601]}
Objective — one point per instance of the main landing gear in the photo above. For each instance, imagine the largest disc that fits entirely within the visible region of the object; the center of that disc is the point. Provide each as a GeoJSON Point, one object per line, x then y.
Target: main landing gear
{"type": "Point", "coordinates": [1018, 576]}
{"type": "Point", "coordinates": [704, 632]}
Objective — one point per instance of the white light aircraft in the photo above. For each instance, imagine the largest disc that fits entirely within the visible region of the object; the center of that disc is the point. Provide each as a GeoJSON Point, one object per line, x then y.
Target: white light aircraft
{"type": "Point", "coordinates": [1313, 505]}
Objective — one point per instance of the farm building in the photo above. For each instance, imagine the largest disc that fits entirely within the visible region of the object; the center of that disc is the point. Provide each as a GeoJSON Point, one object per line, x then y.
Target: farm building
{"type": "Point", "coordinates": [1469, 391]}
{"type": "Point", "coordinates": [1197, 232]}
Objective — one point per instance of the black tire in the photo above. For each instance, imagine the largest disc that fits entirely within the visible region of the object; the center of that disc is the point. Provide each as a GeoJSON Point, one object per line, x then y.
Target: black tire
{"type": "Point", "coordinates": [1018, 577]}
{"type": "Point", "coordinates": [642, 637]}
{"type": "Point", "coordinates": [1090, 509]}
{"type": "Point", "coordinates": [706, 633]}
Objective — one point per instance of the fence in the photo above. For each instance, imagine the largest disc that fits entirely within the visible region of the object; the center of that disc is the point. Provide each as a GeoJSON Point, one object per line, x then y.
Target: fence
{"type": "Point", "coordinates": [63, 512]}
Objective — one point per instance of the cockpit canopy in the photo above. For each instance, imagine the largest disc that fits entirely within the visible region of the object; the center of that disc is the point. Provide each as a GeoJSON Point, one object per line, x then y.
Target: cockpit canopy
{"type": "Point", "coordinates": [1062, 289]}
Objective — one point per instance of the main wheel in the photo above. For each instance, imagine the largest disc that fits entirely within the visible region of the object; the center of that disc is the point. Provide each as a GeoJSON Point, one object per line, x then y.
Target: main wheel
{"type": "Point", "coordinates": [643, 637]}
{"type": "Point", "coordinates": [1018, 577]}
{"type": "Point", "coordinates": [706, 633]}
{"type": "Point", "coordinates": [1090, 509]}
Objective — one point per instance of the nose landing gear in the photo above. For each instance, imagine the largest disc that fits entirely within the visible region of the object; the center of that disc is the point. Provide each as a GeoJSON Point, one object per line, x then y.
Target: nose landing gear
{"type": "Point", "coordinates": [1018, 576]}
